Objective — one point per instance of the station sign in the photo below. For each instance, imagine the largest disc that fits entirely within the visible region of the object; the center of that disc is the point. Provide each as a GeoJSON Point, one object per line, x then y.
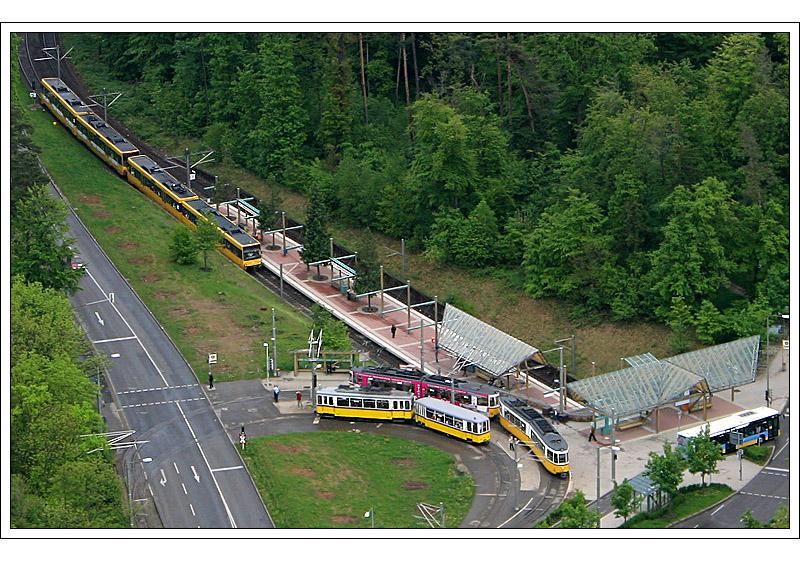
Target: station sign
{"type": "Point", "coordinates": [212, 358]}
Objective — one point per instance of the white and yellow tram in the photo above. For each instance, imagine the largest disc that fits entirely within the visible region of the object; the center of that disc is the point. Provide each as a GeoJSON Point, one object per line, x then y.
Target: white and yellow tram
{"type": "Point", "coordinates": [452, 420]}
{"type": "Point", "coordinates": [532, 429]}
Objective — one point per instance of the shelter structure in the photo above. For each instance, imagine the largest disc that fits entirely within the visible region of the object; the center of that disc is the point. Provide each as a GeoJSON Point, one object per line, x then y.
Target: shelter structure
{"type": "Point", "coordinates": [475, 343]}
{"type": "Point", "coordinates": [687, 379]}
{"type": "Point", "coordinates": [651, 497]}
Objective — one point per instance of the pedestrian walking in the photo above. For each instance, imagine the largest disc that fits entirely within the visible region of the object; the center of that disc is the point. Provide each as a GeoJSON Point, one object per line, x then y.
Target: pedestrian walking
{"type": "Point", "coordinates": [299, 396]}
{"type": "Point", "coordinates": [210, 380]}
{"type": "Point", "coordinates": [591, 435]}
{"type": "Point", "coordinates": [436, 350]}
{"type": "Point", "coordinates": [276, 391]}
{"type": "Point", "coordinates": [394, 330]}
{"type": "Point", "coordinates": [511, 444]}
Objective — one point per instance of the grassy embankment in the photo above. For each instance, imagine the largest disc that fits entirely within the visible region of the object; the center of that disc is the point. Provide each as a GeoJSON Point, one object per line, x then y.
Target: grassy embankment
{"type": "Point", "coordinates": [759, 454]}
{"type": "Point", "coordinates": [330, 479]}
{"type": "Point", "coordinates": [690, 500]}
{"type": "Point", "coordinates": [223, 311]}
{"type": "Point", "coordinates": [493, 298]}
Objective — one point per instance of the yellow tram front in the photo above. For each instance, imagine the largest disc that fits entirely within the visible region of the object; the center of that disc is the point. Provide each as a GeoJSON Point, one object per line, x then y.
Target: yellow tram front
{"type": "Point", "coordinates": [532, 429]}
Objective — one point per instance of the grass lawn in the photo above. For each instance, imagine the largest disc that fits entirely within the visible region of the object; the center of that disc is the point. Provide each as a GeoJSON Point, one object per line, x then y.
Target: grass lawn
{"type": "Point", "coordinates": [494, 298]}
{"type": "Point", "coordinates": [330, 479]}
{"type": "Point", "coordinates": [689, 501]}
{"type": "Point", "coordinates": [224, 311]}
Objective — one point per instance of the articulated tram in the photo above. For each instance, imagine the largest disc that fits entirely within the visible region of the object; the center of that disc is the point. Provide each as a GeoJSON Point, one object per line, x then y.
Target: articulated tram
{"type": "Point", "coordinates": [531, 428]}
{"type": "Point", "coordinates": [478, 397]}
{"type": "Point", "coordinates": [143, 172]}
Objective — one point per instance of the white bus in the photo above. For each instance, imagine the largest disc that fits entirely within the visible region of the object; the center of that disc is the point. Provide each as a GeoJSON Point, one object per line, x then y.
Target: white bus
{"type": "Point", "coordinates": [753, 426]}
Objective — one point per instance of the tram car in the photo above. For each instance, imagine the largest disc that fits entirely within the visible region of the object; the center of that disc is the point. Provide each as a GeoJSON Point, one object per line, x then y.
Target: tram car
{"type": "Point", "coordinates": [478, 397]}
{"type": "Point", "coordinates": [442, 416]}
{"type": "Point", "coordinates": [531, 428]}
{"type": "Point", "coordinates": [371, 403]}
{"type": "Point", "coordinates": [143, 173]}
{"type": "Point", "coordinates": [86, 126]}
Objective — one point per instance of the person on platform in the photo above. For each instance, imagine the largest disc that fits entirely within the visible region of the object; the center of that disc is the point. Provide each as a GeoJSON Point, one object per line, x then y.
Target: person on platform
{"type": "Point", "coordinates": [276, 392]}
{"type": "Point", "coordinates": [394, 330]}
{"type": "Point", "coordinates": [299, 396]}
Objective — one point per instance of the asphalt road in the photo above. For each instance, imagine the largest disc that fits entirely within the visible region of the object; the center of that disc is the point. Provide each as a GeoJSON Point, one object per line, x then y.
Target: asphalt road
{"type": "Point", "coordinates": [767, 491]}
{"type": "Point", "coordinates": [188, 461]}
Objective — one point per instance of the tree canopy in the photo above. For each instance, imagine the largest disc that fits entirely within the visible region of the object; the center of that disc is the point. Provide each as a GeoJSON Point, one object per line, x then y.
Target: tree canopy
{"type": "Point", "coordinates": [613, 171]}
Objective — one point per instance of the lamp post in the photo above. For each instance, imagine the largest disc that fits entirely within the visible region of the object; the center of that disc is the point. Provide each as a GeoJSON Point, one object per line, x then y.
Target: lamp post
{"type": "Point", "coordinates": [767, 395]}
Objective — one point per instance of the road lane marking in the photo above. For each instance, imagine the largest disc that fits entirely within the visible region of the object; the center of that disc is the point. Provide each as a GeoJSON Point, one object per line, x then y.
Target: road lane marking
{"type": "Point", "coordinates": [213, 478]}
{"type": "Point", "coordinates": [192, 508]}
{"type": "Point", "coordinates": [765, 495]}
{"type": "Point", "coordinates": [163, 480]}
{"type": "Point", "coordinates": [157, 389]}
{"type": "Point", "coordinates": [112, 340]}
{"type": "Point", "coordinates": [125, 321]}
{"type": "Point", "coordinates": [717, 509]}
{"type": "Point", "coordinates": [226, 468]}
{"type": "Point", "coordinates": [196, 477]}
{"type": "Point", "coordinates": [160, 402]}
{"type": "Point", "coordinates": [175, 464]}
{"type": "Point", "coordinates": [100, 319]}
{"type": "Point", "coordinates": [95, 302]}
{"type": "Point", "coordinates": [184, 488]}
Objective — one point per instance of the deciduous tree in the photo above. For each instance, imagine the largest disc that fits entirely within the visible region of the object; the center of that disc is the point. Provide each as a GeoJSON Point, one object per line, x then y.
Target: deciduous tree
{"type": "Point", "coordinates": [703, 453]}
{"type": "Point", "coordinates": [666, 470]}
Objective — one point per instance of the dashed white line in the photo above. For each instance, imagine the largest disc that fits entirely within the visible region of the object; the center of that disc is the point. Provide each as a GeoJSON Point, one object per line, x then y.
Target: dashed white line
{"type": "Point", "coordinates": [156, 389]}
{"type": "Point", "coordinates": [764, 495]}
{"type": "Point", "coordinates": [175, 464]}
{"type": "Point", "coordinates": [192, 508]}
{"type": "Point", "coordinates": [184, 488]}
{"type": "Point", "coordinates": [161, 402]}
{"type": "Point", "coordinates": [717, 509]}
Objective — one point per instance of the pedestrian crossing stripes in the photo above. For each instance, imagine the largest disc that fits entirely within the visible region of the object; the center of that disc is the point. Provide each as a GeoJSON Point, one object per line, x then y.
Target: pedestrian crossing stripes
{"type": "Point", "coordinates": [162, 402]}
{"type": "Point", "coordinates": [156, 389]}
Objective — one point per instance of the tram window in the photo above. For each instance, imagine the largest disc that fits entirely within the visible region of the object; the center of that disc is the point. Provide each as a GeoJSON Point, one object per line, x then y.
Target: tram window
{"type": "Point", "coordinates": [394, 405]}
{"type": "Point", "coordinates": [482, 400]}
{"type": "Point", "coordinates": [448, 420]}
{"type": "Point", "coordinates": [406, 405]}
{"type": "Point", "coordinates": [432, 392]}
{"type": "Point", "coordinates": [493, 400]}
{"type": "Point", "coordinates": [355, 402]}
{"type": "Point", "coordinates": [369, 404]}
{"type": "Point", "coordinates": [342, 402]}
{"type": "Point", "coordinates": [382, 404]}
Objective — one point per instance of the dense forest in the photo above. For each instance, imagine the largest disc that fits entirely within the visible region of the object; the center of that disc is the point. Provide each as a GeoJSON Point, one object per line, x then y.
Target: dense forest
{"type": "Point", "coordinates": [632, 175]}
